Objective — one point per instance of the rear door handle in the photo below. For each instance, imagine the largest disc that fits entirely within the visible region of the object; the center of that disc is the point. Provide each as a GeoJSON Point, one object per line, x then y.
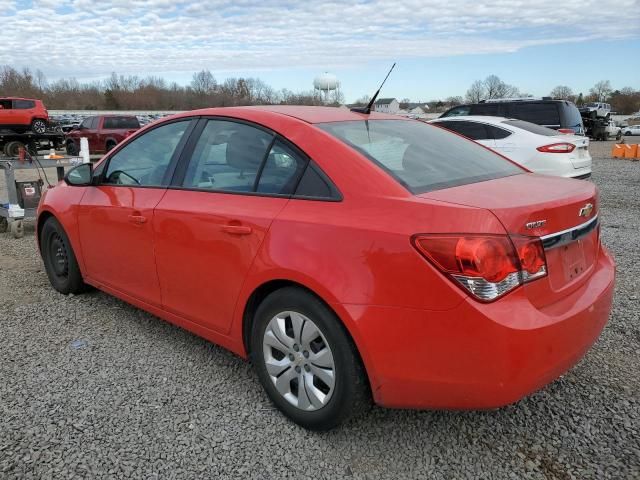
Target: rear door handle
{"type": "Point", "coordinates": [137, 219]}
{"type": "Point", "coordinates": [237, 229]}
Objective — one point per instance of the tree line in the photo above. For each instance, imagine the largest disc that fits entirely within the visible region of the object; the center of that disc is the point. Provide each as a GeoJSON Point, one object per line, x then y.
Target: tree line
{"type": "Point", "coordinates": [120, 92]}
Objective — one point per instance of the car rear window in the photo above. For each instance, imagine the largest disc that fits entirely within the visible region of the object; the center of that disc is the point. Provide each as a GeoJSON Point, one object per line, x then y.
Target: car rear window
{"type": "Point", "coordinates": [540, 113]}
{"type": "Point", "coordinates": [121, 122]}
{"type": "Point", "coordinates": [419, 156]}
{"type": "Point", "coordinates": [531, 127]}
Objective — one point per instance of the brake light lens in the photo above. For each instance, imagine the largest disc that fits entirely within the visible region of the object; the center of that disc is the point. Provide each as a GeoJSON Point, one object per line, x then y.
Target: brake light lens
{"type": "Point", "coordinates": [487, 266]}
{"type": "Point", "coordinates": [557, 148]}
{"type": "Point", "coordinates": [566, 131]}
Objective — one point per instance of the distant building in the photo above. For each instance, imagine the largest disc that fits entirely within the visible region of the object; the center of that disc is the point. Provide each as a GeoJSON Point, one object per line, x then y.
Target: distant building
{"type": "Point", "coordinates": [387, 105]}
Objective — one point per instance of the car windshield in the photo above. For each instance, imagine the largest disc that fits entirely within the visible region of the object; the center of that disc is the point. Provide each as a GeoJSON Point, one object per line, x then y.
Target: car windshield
{"type": "Point", "coordinates": [421, 157]}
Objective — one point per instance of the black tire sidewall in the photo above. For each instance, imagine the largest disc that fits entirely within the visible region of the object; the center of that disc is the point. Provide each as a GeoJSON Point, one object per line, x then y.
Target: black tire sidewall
{"type": "Point", "coordinates": [36, 122]}
{"type": "Point", "coordinates": [72, 283]}
{"type": "Point", "coordinates": [348, 373]}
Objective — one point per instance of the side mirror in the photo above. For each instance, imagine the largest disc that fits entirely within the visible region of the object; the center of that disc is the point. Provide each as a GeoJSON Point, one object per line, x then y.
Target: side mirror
{"type": "Point", "coordinates": [80, 176]}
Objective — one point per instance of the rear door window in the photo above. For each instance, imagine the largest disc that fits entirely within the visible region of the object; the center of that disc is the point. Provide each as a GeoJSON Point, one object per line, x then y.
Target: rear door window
{"type": "Point", "coordinates": [6, 104]}
{"type": "Point", "coordinates": [497, 133]}
{"type": "Point", "coordinates": [539, 113]}
{"type": "Point", "coordinates": [491, 109]}
{"type": "Point", "coordinates": [420, 156]}
{"type": "Point", "coordinates": [281, 170]}
{"type": "Point", "coordinates": [472, 130]}
{"type": "Point", "coordinates": [227, 157]}
{"type": "Point", "coordinates": [123, 123]}
{"type": "Point", "coordinates": [24, 104]}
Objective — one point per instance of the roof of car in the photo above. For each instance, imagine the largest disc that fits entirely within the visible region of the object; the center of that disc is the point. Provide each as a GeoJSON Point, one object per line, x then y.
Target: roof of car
{"type": "Point", "coordinates": [17, 98]}
{"type": "Point", "coordinates": [305, 113]}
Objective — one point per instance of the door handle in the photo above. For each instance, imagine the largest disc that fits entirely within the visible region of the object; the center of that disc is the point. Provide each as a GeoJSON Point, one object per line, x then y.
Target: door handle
{"type": "Point", "coordinates": [237, 229]}
{"type": "Point", "coordinates": [137, 219]}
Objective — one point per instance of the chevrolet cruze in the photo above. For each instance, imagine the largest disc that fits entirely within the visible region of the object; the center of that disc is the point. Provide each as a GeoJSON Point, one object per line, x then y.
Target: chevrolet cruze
{"type": "Point", "coordinates": [351, 257]}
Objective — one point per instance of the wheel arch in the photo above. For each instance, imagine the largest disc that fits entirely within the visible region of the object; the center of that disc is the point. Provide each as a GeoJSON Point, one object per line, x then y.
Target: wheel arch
{"type": "Point", "coordinates": [263, 290]}
{"type": "Point", "coordinates": [42, 218]}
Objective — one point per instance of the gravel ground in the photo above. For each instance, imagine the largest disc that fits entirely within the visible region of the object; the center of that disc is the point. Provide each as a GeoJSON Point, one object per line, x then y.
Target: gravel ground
{"type": "Point", "coordinates": [93, 388]}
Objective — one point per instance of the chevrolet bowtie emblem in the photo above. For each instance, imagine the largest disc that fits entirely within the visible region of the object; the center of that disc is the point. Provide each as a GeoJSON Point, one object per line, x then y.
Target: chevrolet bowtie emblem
{"type": "Point", "coordinates": [586, 210]}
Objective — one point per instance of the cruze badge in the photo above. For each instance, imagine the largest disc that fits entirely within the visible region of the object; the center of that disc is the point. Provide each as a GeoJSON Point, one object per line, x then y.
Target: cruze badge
{"type": "Point", "coordinates": [536, 224]}
{"type": "Point", "coordinates": [586, 210]}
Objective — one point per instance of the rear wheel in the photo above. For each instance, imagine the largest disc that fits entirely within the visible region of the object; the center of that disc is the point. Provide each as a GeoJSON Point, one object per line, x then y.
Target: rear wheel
{"type": "Point", "coordinates": [109, 146]}
{"type": "Point", "coordinates": [59, 260]}
{"type": "Point", "coordinates": [306, 360]}
{"type": "Point", "coordinates": [38, 126]}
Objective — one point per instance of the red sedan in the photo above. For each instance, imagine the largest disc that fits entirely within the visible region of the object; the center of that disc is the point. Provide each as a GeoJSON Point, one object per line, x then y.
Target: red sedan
{"type": "Point", "coordinates": [351, 257]}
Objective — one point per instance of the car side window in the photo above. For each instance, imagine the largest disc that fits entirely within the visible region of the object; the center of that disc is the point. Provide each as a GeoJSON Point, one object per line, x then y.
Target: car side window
{"type": "Point", "coordinates": [86, 123]}
{"type": "Point", "coordinates": [316, 185]}
{"type": "Point", "coordinates": [6, 104]}
{"type": "Point", "coordinates": [145, 160]}
{"type": "Point", "coordinates": [93, 125]}
{"type": "Point", "coordinates": [497, 133]}
{"type": "Point", "coordinates": [472, 130]}
{"type": "Point", "coordinates": [227, 157]}
{"type": "Point", "coordinates": [282, 170]}
{"type": "Point", "coordinates": [24, 104]}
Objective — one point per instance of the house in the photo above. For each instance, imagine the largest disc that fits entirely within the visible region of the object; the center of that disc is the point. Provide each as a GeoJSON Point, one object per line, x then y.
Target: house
{"type": "Point", "coordinates": [387, 105]}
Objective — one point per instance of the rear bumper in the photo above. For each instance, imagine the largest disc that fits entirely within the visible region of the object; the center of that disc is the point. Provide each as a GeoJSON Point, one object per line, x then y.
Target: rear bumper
{"type": "Point", "coordinates": [480, 355]}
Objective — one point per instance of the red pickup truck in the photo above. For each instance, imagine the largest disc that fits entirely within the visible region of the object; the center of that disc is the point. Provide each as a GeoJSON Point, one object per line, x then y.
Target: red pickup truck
{"type": "Point", "coordinates": [102, 131]}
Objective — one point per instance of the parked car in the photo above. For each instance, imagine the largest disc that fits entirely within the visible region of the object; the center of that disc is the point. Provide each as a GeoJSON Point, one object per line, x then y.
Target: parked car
{"type": "Point", "coordinates": [556, 114]}
{"type": "Point", "coordinates": [349, 256]}
{"type": "Point", "coordinates": [612, 130]}
{"type": "Point", "coordinates": [23, 114]}
{"type": "Point", "coordinates": [103, 132]}
{"type": "Point", "coordinates": [596, 110]}
{"type": "Point", "coordinates": [631, 130]}
{"type": "Point", "coordinates": [539, 149]}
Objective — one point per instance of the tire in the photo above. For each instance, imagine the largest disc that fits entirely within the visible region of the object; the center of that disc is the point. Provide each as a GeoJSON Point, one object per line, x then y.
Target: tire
{"type": "Point", "coordinates": [109, 146]}
{"type": "Point", "coordinates": [59, 260]}
{"type": "Point", "coordinates": [71, 148]}
{"type": "Point", "coordinates": [627, 134]}
{"type": "Point", "coordinates": [39, 126]}
{"type": "Point", "coordinates": [295, 365]}
{"type": "Point", "coordinates": [12, 149]}
{"type": "Point", "coordinates": [4, 225]}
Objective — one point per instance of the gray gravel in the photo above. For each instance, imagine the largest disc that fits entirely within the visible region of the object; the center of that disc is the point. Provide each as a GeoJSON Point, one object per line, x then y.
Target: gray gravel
{"type": "Point", "coordinates": [93, 388]}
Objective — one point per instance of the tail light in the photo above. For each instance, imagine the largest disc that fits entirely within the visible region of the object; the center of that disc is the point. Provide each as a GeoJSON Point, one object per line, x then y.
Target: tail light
{"type": "Point", "coordinates": [557, 148]}
{"type": "Point", "coordinates": [487, 266]}
{"type": "Point", "coordinates": [566, 131]}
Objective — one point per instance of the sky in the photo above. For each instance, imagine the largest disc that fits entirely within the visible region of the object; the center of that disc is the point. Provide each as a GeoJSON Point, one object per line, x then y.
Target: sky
{"type": "Point", "coordinates": [440, 46]}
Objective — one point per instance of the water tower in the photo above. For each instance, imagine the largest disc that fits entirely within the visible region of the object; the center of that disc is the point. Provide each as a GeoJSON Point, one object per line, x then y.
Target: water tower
{"type": "Point", "coordinates": [326, 83]}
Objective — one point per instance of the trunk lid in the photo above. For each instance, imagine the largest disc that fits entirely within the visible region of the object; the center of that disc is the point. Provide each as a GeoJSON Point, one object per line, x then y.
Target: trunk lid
{"type": "Point", "coordinates": [542, 206]}
{"type": "Point", "coordinates": [580, 157]}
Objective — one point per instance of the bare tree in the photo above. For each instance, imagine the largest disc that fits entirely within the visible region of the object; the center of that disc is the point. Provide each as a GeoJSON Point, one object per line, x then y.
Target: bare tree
{"type": "Point", "coordinates": [476, 92]}
{"type": "Point", "coordinates": [601, 90]}
{"type": "Point", "coordinates": [203, 83]}
{"type": "Point", "coordinates": [562, 92]}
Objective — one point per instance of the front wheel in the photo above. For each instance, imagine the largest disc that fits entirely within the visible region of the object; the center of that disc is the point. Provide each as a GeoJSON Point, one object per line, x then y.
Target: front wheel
{"type": "Point", "coordinates": [59, 260]}
{"type": "Point", "coordinates": [38, 126]}
{"type": "Point", "coordinates": [72, 149]}
{"type": "Point", "coordinates": [306, 361]}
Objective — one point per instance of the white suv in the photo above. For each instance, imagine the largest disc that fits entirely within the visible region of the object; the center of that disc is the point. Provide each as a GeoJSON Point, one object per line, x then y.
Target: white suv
{"type": "Point", "coordinates": [596, 109]}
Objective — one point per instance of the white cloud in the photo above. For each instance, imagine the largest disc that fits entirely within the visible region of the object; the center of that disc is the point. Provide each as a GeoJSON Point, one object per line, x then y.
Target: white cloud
{"type": "Point", "coordinates": [84, 37]}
